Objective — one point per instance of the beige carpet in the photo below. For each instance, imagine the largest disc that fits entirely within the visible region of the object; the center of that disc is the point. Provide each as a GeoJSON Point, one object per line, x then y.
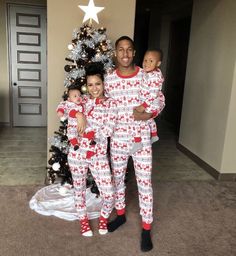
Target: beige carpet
{"type": "Point", "coordinates": [191, 219]}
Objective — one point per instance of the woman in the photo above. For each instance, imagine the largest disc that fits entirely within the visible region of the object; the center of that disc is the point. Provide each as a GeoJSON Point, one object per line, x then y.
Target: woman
{"type": "Point", "coordinates": [100, 113]}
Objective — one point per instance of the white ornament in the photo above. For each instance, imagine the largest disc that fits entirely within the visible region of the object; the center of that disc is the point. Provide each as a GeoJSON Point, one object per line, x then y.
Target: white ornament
{"type": "Point", "coordinates": [63, 118]}
{"type": "Point", "coordinates": [70, 47]}
{"type": "Point", "coordinates": [90, 11]}
{"type": "Point", "coordinates": [56, 166]}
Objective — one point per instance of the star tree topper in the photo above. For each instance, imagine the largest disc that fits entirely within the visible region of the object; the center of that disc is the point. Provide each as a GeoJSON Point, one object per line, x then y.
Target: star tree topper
{"type": "Point", "coordinates": [90, 11]}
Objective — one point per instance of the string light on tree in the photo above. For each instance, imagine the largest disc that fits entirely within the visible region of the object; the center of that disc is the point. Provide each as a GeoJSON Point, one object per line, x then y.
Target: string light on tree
{"type": "Point", "coordinates": [91, 11]}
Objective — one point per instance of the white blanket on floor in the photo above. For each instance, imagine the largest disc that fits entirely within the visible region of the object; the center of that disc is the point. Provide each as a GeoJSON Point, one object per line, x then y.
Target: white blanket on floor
{"type": "Point", "coordinates": [49, 201]}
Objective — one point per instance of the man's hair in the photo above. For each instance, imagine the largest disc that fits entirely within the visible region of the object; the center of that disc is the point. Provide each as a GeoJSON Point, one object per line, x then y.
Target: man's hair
{"type": "Point", "coordinates": [158, 50]}
{"type": "Point", "coordinates": [124, 38]}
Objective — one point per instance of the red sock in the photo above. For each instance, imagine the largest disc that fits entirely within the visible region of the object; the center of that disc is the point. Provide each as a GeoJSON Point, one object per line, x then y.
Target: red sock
{"type": "Point", "coordinates": [120, 212]}
{"type": "Point", "coordinates": [153, 134]}
{"type": "Point", "coordinates": [146, 226]}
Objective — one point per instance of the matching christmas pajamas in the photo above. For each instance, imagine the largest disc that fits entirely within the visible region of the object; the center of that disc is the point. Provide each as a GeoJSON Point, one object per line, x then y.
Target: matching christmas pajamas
{"type": "Point", "coordinates": [101, 118]}
{"type": "Point", "coordinates": [152, 96]}
{"type": "Point", "coordinates": [126, 91]}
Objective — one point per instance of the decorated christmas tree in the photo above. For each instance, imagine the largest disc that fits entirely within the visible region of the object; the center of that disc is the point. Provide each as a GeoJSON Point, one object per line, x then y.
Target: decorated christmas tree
{"type": "Point", "coordinates": [88, 45]}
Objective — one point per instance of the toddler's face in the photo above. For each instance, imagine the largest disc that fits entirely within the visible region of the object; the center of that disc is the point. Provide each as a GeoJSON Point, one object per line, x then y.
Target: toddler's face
{"type": "Point", "coordinates": [151, 61]}
{"type": "Point", "coordinates": [75, 96]}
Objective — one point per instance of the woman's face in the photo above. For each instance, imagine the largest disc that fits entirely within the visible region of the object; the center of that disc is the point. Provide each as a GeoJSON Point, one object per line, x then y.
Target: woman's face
{"type": "Point", "coordinates": [95, 86]}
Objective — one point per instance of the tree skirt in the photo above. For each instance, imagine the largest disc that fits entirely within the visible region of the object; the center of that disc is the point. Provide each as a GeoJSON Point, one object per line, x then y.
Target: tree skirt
{"type": "Point", "coordinates": [57, 201]}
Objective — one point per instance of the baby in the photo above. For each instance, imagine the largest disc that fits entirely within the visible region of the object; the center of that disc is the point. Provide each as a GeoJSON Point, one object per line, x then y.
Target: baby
{"type": "Point", "coordinates": [72, 109]}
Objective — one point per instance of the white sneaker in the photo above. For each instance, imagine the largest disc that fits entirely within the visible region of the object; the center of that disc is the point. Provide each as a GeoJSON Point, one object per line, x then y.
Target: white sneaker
{"type": "Point", "coordinates": [103, 231]}
{"type": "Point", "coordinates": [88, 233]}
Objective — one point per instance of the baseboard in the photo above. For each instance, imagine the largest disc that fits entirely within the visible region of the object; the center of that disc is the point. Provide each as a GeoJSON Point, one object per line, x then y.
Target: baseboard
{"type": "Point", "coordinates": [209, 169]}
{"type": "Point", "coordinates": [4, 124]}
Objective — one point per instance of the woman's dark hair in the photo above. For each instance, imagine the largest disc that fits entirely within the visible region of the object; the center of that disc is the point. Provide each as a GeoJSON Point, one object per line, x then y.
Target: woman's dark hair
{"type": "Point", "coordinates": [124, 38]}
{"type": "Point", "coordinates": [95, 68]}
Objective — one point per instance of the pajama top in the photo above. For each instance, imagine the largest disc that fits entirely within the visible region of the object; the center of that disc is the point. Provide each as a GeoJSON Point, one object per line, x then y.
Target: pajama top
{"type": "Point", "coordinates": [151, 94]}
{"type": "Point", "coordinates": [126, 91]}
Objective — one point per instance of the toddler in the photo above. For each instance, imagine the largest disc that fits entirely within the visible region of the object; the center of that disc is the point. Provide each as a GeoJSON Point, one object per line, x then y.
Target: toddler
{"type": "Point", "coordinates": [150, 94]}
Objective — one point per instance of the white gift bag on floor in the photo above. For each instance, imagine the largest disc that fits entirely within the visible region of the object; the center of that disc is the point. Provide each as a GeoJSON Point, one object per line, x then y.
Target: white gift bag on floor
{"type": "Point", "coordinates": [50, 201]}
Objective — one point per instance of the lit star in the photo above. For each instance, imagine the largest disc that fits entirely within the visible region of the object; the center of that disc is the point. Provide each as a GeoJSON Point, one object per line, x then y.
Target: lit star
{"type": "Point", "coordinates": [90, 11]}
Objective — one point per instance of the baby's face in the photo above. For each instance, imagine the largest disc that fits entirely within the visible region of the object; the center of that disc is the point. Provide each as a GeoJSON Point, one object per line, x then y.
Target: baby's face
{"type": "Point", "coordinates": [151, 61]}
{"type": "Point", "coordinates": [75, 96]}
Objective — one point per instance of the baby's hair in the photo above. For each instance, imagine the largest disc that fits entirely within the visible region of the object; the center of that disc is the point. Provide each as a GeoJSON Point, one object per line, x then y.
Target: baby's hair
{"type": "Point", "coordinates": [65, 95]}
{"type": "Point", "coordinates": [158, 50]}
{"type": "Point", "coordinates": [74, 87]}
{"type": "Point", "coordinates": [95, 68]}
{"type": "Point", "coordinates": [124, 38]}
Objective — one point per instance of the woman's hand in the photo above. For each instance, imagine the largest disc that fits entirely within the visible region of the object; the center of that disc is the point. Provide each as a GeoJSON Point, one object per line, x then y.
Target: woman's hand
{"type": "Point", "coordinates": [141, 116]}
{"type": "Point", "coordinates": [81, 123]}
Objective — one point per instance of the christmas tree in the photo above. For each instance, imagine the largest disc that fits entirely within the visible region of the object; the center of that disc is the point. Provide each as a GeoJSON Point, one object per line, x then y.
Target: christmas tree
{"type": "Point", "coordinates": [88, 45]}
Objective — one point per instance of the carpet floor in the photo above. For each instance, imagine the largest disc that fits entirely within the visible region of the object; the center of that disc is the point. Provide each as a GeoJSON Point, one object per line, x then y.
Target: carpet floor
{"type": "Point", "coordinates": [191, 218]}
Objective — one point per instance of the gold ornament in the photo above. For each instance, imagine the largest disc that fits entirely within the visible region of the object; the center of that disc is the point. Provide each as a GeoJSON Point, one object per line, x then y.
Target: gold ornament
{"type": "Point", "coordinates": [84, 88]}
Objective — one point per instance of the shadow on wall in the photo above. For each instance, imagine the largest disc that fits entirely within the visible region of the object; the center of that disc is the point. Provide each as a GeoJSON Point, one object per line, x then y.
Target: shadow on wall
{"type": "Point", "coordinates": [4, 113]}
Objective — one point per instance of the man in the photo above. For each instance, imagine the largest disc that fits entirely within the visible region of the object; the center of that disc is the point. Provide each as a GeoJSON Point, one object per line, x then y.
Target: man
{"type": "Point", "coordinates": [123, 84]}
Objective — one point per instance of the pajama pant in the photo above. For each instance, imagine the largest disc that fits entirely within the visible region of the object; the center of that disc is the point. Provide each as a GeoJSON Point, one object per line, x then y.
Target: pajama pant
{"type": "Point", "coordinates": [137, 129]}
{"type": "Point", "coordinates": [101, 173]}
{"type": "Point", "coordinates": [120, 147]}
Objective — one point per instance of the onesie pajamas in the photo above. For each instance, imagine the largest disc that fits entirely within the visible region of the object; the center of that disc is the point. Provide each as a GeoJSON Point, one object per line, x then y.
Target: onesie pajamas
{"type": "Point", "coordinates": [150, 96]}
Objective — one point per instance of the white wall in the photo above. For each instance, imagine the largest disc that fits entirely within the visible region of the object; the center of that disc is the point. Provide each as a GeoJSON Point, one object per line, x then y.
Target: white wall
{"type": "Point", "coordinates": [207, 124]}
{"type": "Point", "coordinates": [229, 153]}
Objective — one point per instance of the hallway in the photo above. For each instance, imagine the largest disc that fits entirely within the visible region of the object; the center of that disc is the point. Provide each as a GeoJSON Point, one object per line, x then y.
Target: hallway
{"type": "Point", "coordinates": [23, 154]}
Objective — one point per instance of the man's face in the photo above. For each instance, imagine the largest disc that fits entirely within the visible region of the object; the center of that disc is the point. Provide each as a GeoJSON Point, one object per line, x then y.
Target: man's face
{"type": "Point", "coordinates": [124, 53]}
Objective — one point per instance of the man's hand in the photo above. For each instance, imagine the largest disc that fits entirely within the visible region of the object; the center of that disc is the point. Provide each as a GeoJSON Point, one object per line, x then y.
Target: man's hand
{"type": "Point", "coordinates": [81, 120]}
{"type": "Point", "coordinates": [141, 116]}
{"type": "Point", "coordinates": [140, 109]}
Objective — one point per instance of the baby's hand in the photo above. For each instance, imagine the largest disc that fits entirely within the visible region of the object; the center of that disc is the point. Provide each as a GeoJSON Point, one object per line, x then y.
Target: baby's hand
{"type": "Point", "coordinates": [81, 123]}
{"type": "Point", "coordinates": [60, 114]}
{"type": "Point", "coordinates": [140, 109]}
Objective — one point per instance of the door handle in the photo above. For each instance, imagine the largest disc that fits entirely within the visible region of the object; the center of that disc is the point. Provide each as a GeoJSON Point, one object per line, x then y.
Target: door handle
{"type": "Point", "coordinates": [15, 84]}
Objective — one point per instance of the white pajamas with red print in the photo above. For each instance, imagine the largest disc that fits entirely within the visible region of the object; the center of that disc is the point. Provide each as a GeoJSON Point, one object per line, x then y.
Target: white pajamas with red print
{"type": "Point", "coordinates": [150, 96]}
{"type": "Point", "coordinates": [72, 133]}
{"type": "Point", "coordinates": [126, 91]}
{"type": "Point", "coordinates": [101, 118]}
{"type": "Point", "coordinates": [64, 107]}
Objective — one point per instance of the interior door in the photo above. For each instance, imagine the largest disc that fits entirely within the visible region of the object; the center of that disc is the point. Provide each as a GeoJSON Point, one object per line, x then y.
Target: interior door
{"type": "Point", "coordinates": [28, 71]}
